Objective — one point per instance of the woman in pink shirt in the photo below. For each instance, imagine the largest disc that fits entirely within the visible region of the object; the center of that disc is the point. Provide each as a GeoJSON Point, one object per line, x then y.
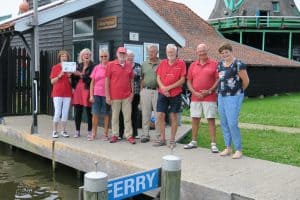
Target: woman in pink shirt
{"type": "Point", "coordinates": [97, 95]}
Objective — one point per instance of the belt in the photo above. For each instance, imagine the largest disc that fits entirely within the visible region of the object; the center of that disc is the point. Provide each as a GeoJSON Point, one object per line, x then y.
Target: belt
{"type": "Point", "coordinates": [149, 88]}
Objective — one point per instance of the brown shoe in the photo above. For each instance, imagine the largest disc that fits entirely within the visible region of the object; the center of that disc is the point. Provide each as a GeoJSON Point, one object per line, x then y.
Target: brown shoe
{"type": "Point", "coordinates": [237, 155]}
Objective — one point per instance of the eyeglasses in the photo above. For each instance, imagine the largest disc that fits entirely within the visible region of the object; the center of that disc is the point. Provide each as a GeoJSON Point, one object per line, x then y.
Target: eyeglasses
{"type": "Point", "coordinates": [103, 56]}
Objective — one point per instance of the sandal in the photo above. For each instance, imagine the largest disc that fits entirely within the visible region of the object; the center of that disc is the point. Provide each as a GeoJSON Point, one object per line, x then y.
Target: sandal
{"type": "Point", "coordinates": [159, 143]}
{"type": "Point", "coordinates": [105, 137]}
{"type": "Point", "coordinates": [172, 144]}
{"type": "Point", "coordinates": [91, 137]}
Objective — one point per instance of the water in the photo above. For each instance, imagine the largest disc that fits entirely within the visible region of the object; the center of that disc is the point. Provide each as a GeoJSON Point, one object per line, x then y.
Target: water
{"type": "Point", "coordinates": [27, 176]}
{"type": "Point", "coordinates": [24, 175]}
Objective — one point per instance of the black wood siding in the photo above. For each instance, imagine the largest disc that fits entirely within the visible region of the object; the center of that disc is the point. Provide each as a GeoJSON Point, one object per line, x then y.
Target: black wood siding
{"type": "Point", "coordinates": [51, 36]}
{"type": "Point", "coordinates": [136, 21]}
{"type": "Point", "coordinates": [272, 80]}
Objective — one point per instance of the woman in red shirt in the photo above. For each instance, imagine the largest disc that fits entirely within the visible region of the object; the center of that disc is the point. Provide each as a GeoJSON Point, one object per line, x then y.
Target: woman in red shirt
{"type": "Point", "coordinates": [61, 94]}
{"type": "Point", "coordinates": [81, 83]}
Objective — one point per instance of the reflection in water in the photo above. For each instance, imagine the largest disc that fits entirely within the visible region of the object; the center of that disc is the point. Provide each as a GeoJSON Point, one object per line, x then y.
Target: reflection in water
{"type": "Point", "coordinates": [26, 176]}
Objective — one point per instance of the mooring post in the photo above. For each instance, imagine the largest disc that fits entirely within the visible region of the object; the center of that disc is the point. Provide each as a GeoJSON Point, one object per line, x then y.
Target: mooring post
{"type": "Point", "coordinates": [95, 185]}
{"type": "Point", "coordinates": [170, 178]}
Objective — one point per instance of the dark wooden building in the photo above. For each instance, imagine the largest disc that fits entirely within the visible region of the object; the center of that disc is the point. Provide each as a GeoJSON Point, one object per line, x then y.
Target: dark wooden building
{"type": "Point", "coordinates": [76, 24]}
{"type": "Point", "coordinates": [103, 24]}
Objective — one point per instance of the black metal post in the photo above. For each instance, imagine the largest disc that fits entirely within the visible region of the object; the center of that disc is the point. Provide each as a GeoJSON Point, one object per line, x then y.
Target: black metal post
{"type": "Point", "coordinates": [35, 68]}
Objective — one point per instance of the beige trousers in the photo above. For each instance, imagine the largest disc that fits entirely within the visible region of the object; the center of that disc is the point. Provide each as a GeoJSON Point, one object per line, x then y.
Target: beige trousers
{"type": "Point", "coordinates": [116, 107]}
{"type": "Point", "coordinates": [148, 103]}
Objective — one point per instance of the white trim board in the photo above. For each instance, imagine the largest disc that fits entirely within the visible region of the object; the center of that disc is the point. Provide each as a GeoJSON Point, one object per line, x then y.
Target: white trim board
{"type": "Point", "coordinates": [160, 21]}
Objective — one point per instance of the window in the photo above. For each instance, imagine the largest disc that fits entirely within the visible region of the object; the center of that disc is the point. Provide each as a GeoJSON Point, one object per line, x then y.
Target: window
{"type": "Point", "coordinates": [276, 7]}
{"type": "Point", "coordinates": [78, 45]}
{"type": "Point", "coordinates": [83, 27]}
{"type": "Point", "coordinates": [137, 51]}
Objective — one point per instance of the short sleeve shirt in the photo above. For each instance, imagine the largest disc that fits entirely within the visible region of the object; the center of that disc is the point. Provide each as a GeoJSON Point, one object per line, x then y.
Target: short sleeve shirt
{"type": "Point", "coordinates": [230, 83]}
{"type": "Point", "coordinates": [120, 79]}
{"type": "Point", "coordinates": [148, 73]}
{"type": "Point", "coordinates": [61, 88]}
{"type": "Point", "coordinates": [203, 77]}
{"type": "Point", "coordinates": [170, 74]}
{"type": "Point", "coordinates": [98, 75]}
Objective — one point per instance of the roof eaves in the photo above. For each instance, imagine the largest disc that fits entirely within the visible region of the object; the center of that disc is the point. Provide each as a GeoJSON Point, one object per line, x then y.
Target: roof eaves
{"type": "Point", "coordinates": [51, 12]}
{"type": "Point", "coordinates": [160, 21]}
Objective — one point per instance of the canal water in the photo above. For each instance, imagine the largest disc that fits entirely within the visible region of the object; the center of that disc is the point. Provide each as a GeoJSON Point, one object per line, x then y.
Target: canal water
{"type": "Point", "coordinates": [24, 175]}
{"type": "Point", "coordinates": [27, 176]}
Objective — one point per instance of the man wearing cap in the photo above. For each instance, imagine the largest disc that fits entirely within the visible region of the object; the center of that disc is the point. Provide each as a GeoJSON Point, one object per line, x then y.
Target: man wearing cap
{"type": "Point", "coordinates": [119, 92]}
{"type": "Point", "coordinates": [149, 90]}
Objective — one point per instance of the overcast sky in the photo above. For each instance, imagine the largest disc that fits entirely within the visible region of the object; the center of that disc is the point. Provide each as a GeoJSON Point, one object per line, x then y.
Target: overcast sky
{"type": "Point", "coordinates": [201, 7]}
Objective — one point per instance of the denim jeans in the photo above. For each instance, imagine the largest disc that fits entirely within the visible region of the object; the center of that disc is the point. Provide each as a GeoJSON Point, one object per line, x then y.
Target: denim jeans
{"type": "Point", "coordinates": [229, 110]}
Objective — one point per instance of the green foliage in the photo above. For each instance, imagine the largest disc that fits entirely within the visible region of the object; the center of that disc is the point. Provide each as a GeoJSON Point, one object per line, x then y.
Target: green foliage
{"type": "Point", "coordinates": [267, 145]}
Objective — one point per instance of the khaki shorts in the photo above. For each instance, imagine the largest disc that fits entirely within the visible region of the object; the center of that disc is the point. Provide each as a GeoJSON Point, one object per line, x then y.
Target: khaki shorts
{"type": "Point", "coordinates": [203, 109]}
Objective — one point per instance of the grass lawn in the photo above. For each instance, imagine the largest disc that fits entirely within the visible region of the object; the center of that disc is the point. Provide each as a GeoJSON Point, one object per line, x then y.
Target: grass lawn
{"type": "Point", "coordinates": [282, 110]}
{"type": "Point", "coordinates": [265, 145]}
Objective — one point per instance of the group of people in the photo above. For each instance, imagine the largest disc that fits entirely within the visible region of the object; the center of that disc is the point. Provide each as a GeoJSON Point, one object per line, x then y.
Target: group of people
{"type": "Point", "coordinates": [118, 87]}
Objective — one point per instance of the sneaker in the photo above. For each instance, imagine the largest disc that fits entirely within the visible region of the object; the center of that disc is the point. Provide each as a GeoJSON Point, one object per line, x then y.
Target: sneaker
{"type": "Point", "coordinates": [145, 139]}
{"type": "Point", "coordinates": [191, 145]}
{"type": "Point", "coordinates": [77, 134]}
{"type": "Point", "coordinates": [159, 143]}
{"type": "Point", "coordinates": [113, 139]}
{"type": "Point", "coordinates": [120, 138]}
{"type": "Point", "coordinates": [55, 134]}
{"type": "Point", "coordinates": [226, 152]}
{"type": "Point", "coordinates": [131, 140]}
{"type": "Point", "coordinates": [137, 137]}
{"type": "Point", "coordinates": [64, 134]}
{"type": "Point", "coordinates": [214, 148]}
{"type": "Point", "coordinates": [237, 155]}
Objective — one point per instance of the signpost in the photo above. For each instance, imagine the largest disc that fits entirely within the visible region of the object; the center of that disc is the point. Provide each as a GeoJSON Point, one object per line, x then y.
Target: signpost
{"type": "Point", "coordinates": [168, 178]}
{"type": "Point", "coordinates": [131, 185]}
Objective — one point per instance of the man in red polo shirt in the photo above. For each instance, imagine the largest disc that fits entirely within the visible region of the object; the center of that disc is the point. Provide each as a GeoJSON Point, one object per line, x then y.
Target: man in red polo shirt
{"type": "Point", "coordinates": [170, 77]}
{"type": "Point", "coordinates": [202, 82]}
{"type": "Point", "coordinates": [119, 92]}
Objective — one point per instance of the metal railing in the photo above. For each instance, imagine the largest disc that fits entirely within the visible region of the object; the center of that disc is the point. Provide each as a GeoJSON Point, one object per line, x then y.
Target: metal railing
{"type": "Point", "coordinates": [273, 22]}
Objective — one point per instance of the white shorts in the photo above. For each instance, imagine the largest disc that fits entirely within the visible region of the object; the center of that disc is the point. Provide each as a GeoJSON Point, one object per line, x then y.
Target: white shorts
{"type": "Point", "coordinates": [203, 109]}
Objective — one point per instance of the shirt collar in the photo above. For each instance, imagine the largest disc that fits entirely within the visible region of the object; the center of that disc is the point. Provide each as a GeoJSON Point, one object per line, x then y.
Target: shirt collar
{"type": "Point", "coordinates": [208, 61]}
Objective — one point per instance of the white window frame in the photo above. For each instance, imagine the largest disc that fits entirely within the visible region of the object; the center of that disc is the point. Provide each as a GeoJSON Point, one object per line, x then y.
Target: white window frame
{"type": "Point", "coordinates": [83, 34]}
{"type": "Point", "coordinates": [92, 48]}
{"type": "Point", "coordinates": [134, 48]}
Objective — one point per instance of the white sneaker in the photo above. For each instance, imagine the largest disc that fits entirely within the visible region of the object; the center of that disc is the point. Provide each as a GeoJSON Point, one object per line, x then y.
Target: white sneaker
{"type": "Point", "coordinates": [55, 134]}
{"type": "Point", "coordinates": [191, 145]}
{"type": "Point", "coordinates": [214, 148]}
{"type": "Point", "coordinates": [64, 134]}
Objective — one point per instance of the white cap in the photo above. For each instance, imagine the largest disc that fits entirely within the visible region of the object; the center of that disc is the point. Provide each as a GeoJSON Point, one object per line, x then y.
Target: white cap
{"type": "Point", "coordinates": [95, 181]}
{"type": "Point", "coordinates": [171, 163]}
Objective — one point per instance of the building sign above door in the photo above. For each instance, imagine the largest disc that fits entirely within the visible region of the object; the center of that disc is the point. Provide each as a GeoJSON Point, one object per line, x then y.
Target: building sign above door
{"type": "Point", "coordinates": [107, 23]}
